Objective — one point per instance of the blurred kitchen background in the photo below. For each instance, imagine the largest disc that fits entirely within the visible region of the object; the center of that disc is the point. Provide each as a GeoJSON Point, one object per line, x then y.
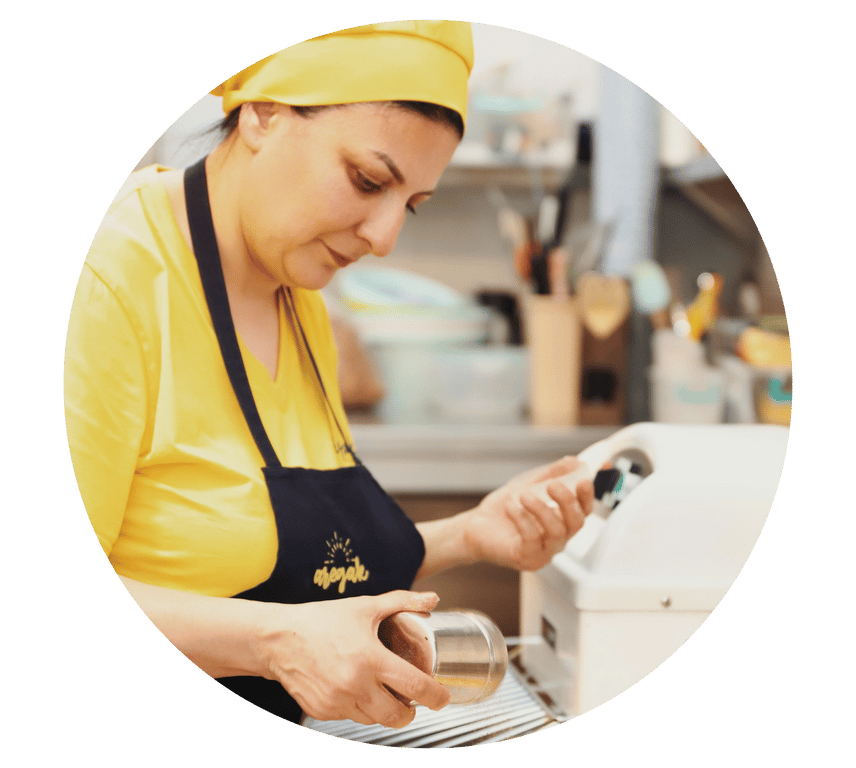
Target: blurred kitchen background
{"type": "Point", "coordinates": [585, 264]}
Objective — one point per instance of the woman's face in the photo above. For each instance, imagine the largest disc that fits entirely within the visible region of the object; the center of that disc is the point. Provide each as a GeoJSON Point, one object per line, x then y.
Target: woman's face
{"type": "Point", "coordinates": [320, 192]}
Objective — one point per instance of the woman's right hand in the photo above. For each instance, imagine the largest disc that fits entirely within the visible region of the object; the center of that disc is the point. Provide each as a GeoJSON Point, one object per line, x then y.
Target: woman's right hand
{"type": "Point", "coordinates": [327, 655]}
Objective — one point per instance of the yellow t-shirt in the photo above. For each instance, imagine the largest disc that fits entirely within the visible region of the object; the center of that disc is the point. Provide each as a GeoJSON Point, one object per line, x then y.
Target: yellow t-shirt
{"type": "Point", "coordinates": [167, 468]}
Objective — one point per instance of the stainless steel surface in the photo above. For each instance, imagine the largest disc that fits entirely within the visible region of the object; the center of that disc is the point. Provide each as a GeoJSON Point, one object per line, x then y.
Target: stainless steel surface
{"type": "Point", "coordinates": [463, 650]}
{"type": "Point", "coordinates": [515, 710]}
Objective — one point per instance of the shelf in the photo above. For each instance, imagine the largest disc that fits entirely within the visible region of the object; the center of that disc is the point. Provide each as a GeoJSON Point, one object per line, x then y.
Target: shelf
{"type": "Point", "coordinates": [717, 198]}
{"type": "Point", "coordinates": [491, 171]}
{"type": "Point", "coordinates": [440, 458]}
{"type": "Point", "coordinates": [477, 165]}
{"type": "Point", "coordinates": [510, 176]}
{"type": "Point", "coordinates": [703, 168]}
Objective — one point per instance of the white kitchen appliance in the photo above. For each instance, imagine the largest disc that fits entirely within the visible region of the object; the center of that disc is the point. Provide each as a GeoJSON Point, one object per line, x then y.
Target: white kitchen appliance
{"type": "Point", "coordinates": [654, 559]}
{"type": "Point", "coordinates": [675, 521]}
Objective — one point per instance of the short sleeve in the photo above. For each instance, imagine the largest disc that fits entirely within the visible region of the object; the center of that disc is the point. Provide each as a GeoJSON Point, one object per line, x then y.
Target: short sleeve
{"type": "Point", "coordinates": [105, 403]}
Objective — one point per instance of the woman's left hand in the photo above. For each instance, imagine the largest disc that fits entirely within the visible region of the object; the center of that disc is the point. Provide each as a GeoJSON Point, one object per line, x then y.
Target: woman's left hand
{"type": "Point", "coordinates": [512, 527]}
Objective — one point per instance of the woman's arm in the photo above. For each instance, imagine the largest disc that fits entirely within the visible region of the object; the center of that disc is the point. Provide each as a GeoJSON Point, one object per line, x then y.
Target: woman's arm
{"type": "Point", "coordinates": [445, 544]}
{"type": "Point", "coordinates": [327, 655]}
{"type": "Point", "coordinates": [105, 403]}
{"type": "Point", "coordinates": [511, 527]}
{"type": "Point", "coordinates": [220, 635]}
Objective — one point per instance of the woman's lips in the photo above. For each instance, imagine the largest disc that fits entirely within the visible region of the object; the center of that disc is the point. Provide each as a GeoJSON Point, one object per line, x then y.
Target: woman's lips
{"type": "Point", "coordinates": [342, 261]}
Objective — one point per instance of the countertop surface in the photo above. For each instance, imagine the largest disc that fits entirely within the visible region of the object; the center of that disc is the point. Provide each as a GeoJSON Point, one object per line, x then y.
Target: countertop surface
{"type": "Point", "coordinates": [462, 458]}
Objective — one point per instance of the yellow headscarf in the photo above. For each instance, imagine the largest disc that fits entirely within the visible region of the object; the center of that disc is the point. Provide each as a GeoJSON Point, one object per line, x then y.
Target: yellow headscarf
{"type": "Point", "coordinates": [393, 61]}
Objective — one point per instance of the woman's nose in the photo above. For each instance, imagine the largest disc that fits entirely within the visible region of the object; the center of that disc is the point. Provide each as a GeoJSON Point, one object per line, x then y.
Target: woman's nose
{"type": "Point", "coordinates": [380, 227]}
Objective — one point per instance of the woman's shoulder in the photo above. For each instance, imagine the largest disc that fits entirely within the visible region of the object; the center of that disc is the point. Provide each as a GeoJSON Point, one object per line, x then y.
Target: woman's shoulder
{"type": "Point", "coordinates": [138, 235]}
{"type": "Point", "coordinates": [129, 192]}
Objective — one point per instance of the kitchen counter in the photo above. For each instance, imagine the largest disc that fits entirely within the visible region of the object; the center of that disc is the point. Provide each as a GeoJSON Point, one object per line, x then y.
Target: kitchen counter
{"type": "Point", "coordinates": [450, 458]}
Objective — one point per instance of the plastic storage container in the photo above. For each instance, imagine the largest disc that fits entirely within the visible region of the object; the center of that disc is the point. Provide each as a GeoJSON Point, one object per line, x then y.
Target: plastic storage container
{"type": "Point", "coordinates": [404, 320]}
{"type": "Point", "coordinates": [688, 395]}
{"type": "Point", "coordinates": [480, 384]}
{"type": "Point", "coordinates": [684, 388]}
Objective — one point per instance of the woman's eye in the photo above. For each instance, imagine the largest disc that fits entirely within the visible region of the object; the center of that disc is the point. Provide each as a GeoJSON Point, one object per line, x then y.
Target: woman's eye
{"type": "Point", "coordinates": [369, 187]}
{"type": "Point", "coordinates": [366, 185]}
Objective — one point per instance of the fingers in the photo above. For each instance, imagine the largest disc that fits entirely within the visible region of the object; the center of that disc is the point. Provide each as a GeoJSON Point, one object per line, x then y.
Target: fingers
{"type": "Point", "coordinates": [399, 682]}
{"type": "Point", "coordinates": [411, 683]}
{"type": "Point", "coordinates": [585, 496]}
{"type": "Point", "coordinates": [525, 522]}
{"type": "Point", "coordinates": [381, 706]}
{"type": "Point", "coordinates": [548, 525]}
{"type": "Point", "coordinates": [346, 697]}
{"type": "Point", "coordinates": [370, 705]}
{"type": "Point", "coordinates": [551, 516]}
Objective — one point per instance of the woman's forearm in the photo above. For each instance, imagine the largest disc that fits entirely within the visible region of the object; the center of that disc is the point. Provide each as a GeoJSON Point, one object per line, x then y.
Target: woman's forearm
{"type": "Point", "coordinates": [326, 654]}
{"type": "Point", "coordinates": [445, 544]}
{"type": "Point", "coordinates": [218, 634]}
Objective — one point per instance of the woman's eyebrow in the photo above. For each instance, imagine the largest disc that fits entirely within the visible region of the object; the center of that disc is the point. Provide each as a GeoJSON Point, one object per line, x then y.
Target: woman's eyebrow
{"type": "Point", "coordinates": [393, 169]}
{"type": "Point", "coordinates": [388, 161]}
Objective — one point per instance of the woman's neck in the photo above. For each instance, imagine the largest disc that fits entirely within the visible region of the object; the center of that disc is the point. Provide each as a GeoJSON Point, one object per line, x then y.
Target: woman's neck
{"type": "Point", "coordinates": [244, 276]}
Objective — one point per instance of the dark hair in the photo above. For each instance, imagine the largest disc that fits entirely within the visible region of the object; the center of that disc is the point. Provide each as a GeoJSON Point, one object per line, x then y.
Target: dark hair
{"type": "Point", "coordinates": [435, 112]}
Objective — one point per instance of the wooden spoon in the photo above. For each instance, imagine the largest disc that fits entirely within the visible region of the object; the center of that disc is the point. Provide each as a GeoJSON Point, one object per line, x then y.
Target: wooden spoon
{"type": "Point", "coordinates": [604, 302]}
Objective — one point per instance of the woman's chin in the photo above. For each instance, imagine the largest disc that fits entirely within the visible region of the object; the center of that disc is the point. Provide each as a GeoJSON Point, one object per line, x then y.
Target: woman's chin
{"type": "Point", "coordinates": [312, 280]}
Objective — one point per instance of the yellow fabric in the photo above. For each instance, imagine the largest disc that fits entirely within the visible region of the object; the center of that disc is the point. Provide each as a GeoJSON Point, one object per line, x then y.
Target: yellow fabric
{"type": "Point", "coordinates": [168, 470]}
{"type": "Point", "coordinates": [394, 61]}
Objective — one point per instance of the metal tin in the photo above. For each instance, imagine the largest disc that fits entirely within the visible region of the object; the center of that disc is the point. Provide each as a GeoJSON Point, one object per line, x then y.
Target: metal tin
{"type": "Point", "coordinates": [462, 650]}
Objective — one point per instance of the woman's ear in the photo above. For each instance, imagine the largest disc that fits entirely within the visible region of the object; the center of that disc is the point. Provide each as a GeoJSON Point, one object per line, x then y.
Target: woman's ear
{"type": "Point", "coordinates": [254, 122]}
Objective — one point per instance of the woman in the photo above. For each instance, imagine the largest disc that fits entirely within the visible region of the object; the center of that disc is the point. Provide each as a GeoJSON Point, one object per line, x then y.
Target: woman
{"type": "Point", "coordinates": [206, 428]}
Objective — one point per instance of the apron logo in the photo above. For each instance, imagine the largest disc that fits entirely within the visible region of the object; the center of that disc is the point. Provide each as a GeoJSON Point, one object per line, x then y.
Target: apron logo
{"type": "Point", "coordinates": [341, 566]}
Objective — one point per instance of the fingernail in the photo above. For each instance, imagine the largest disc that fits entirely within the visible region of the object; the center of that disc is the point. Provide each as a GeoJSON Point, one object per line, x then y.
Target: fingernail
{"type": "Point", "coordinates": [428, 596]}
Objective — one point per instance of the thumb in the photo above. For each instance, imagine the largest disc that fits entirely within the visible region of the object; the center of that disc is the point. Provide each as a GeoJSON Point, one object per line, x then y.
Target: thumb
{"type": "Point", "coordinates": [558, 468]}
{"type": "Point", "coordinates": [403, 600]}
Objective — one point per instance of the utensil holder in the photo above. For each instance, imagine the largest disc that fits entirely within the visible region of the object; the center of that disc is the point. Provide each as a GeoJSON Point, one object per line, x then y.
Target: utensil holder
{"type": "Point", "coordinates": [553, 333]}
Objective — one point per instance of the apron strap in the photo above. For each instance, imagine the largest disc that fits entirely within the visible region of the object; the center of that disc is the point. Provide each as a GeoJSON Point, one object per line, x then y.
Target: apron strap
{"type": "Point", "coordinates": [292, 308]}
{"type": "Point", "coordinates": [211, 272]}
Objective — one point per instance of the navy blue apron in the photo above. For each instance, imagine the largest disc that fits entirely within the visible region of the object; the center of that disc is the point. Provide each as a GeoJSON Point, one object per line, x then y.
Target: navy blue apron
{"type": "Point", "coordinates": [339, 534]}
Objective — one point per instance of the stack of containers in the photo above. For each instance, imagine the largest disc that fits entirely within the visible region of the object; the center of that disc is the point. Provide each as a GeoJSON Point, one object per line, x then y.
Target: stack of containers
{"type": "Point", "coordinates": [479, 384]}
{"type": "Point", "coordinates": [419, 331]}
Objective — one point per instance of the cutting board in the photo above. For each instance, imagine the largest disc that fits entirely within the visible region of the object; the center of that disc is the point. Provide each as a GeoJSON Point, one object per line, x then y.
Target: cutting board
{"type": "Point", "coordinates": [604, 302]}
